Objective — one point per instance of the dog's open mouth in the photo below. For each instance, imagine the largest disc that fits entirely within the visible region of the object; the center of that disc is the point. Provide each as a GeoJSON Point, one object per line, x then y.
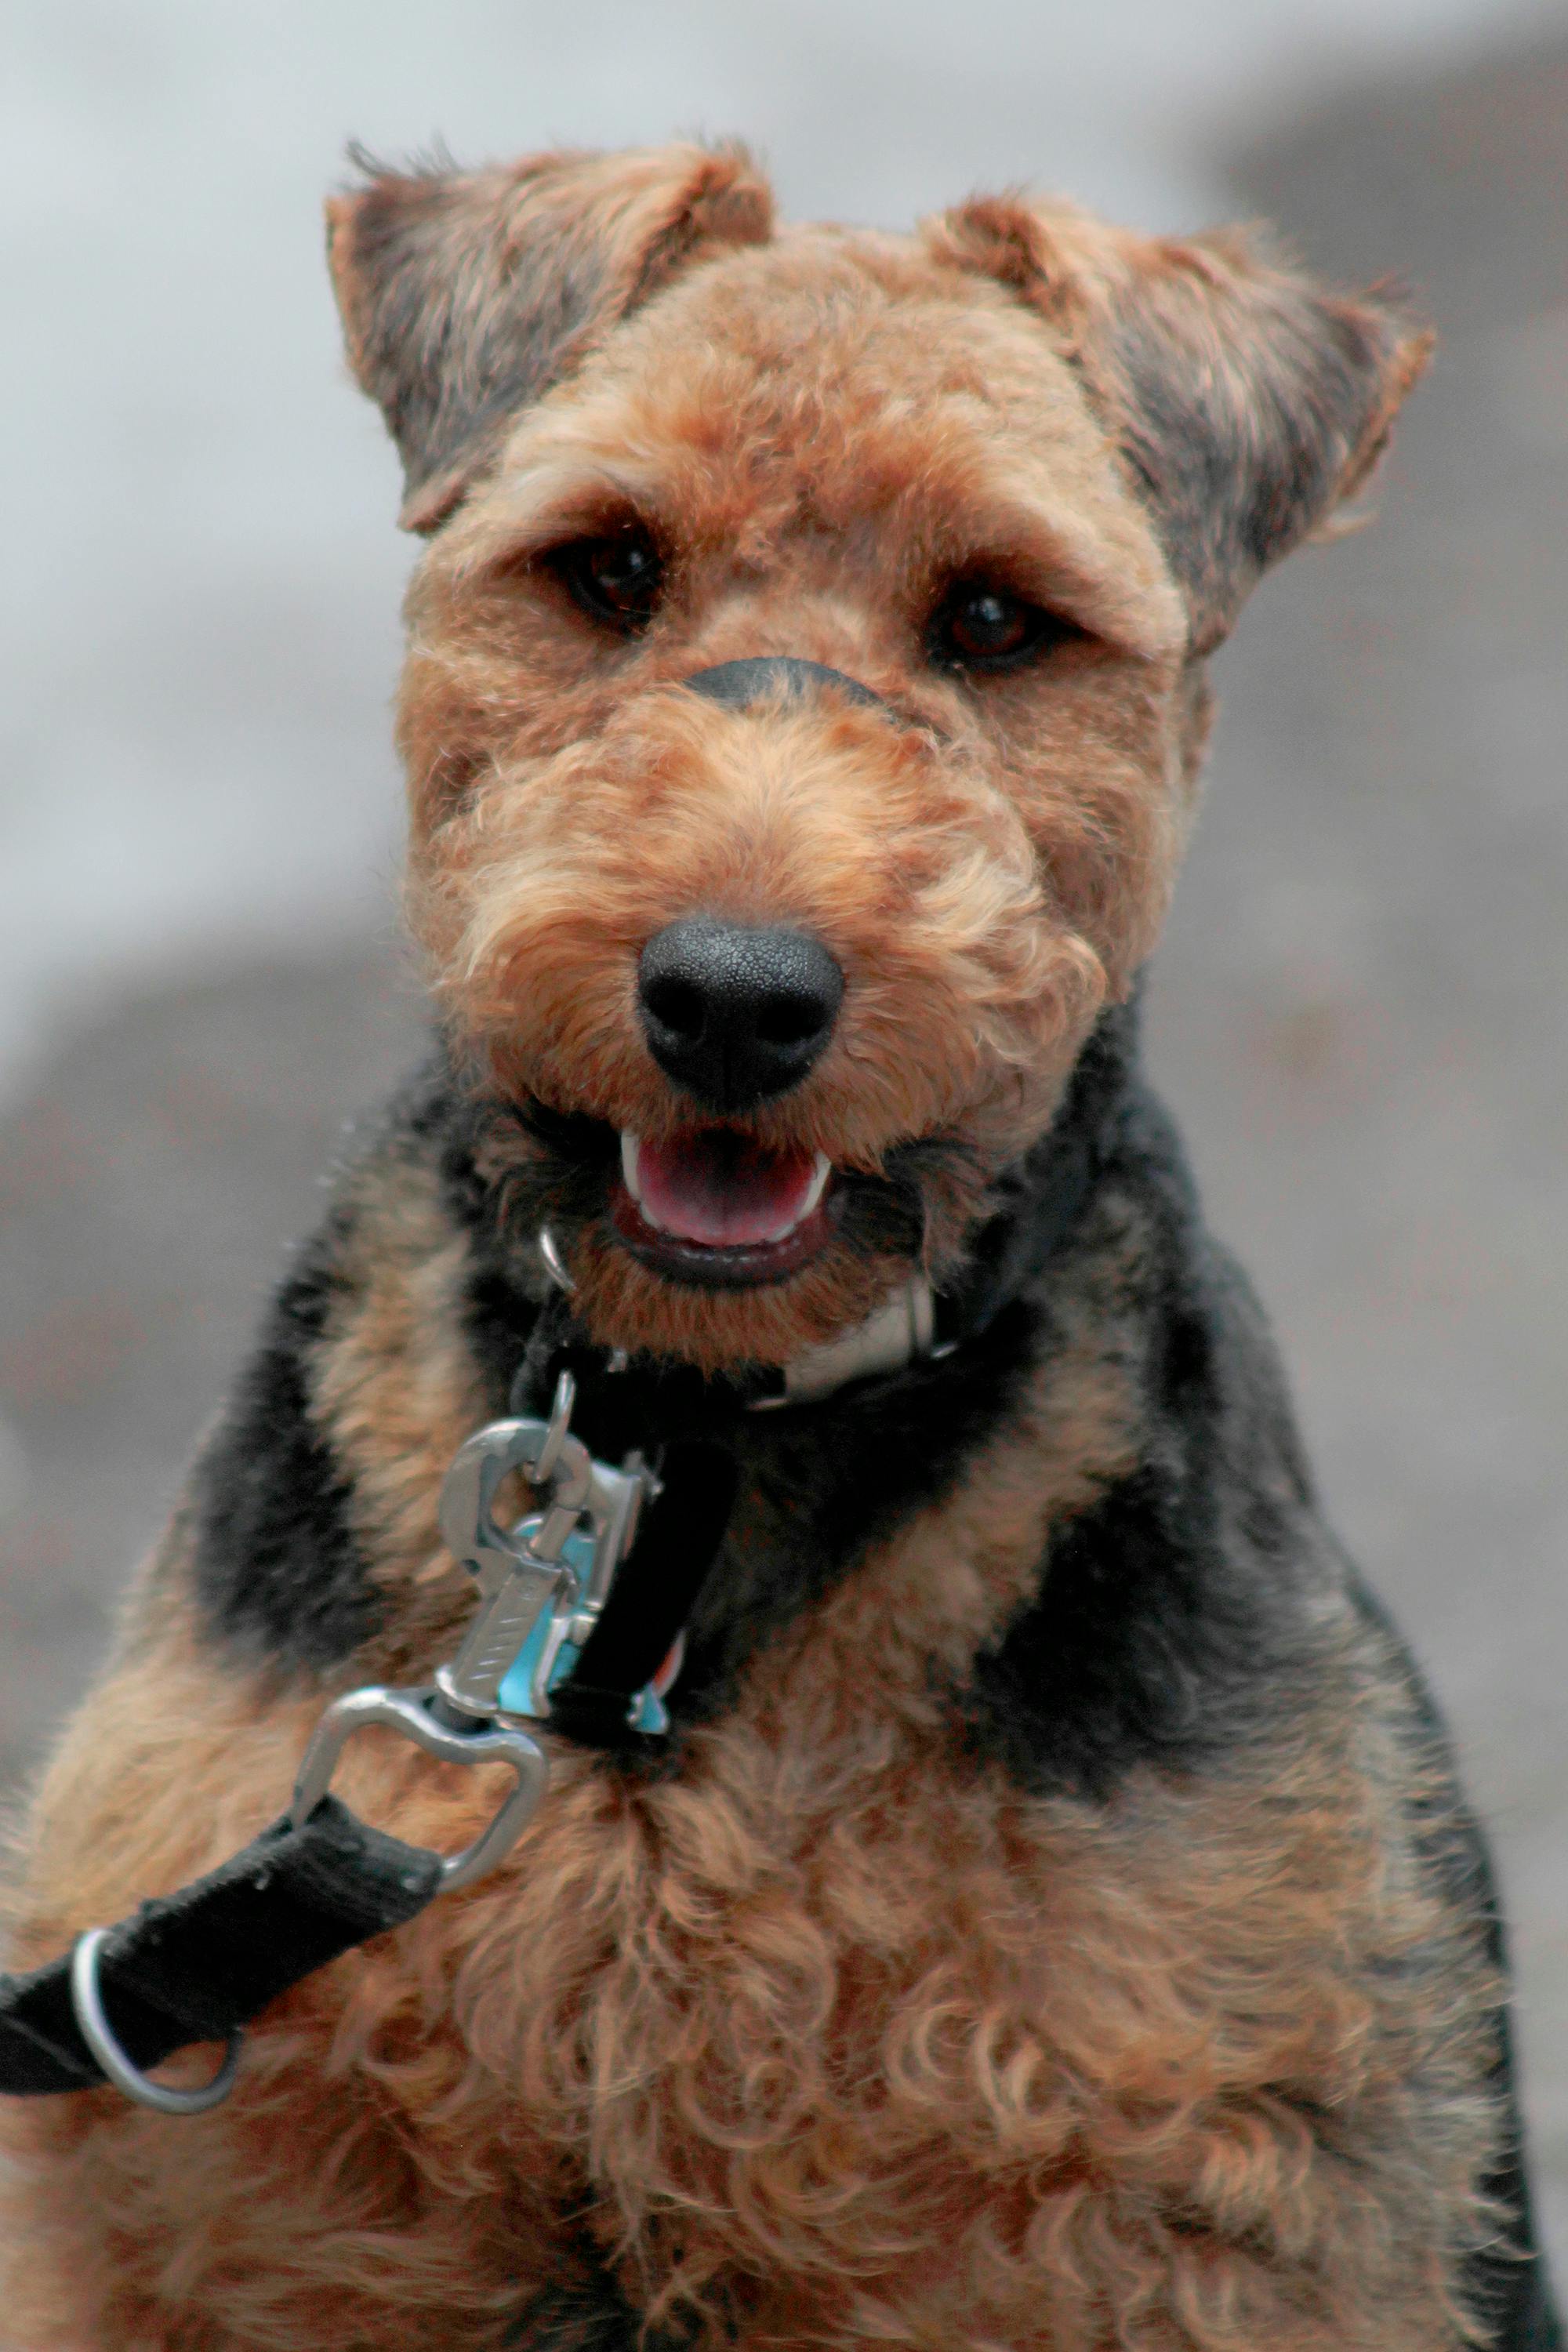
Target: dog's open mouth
{"type": "Point", "coordinates": [715, 1207]}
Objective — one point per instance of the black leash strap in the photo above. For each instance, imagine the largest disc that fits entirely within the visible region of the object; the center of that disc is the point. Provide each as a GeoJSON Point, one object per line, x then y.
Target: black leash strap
{"type": "Point", "coordinates": [196, 1965]}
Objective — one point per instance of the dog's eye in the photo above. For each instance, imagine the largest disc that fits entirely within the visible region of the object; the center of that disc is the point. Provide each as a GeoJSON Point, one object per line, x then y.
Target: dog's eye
{"type": "Point", "coordinates": [978, 625]}
{"type": "Point", "coordinates": [616, 579]}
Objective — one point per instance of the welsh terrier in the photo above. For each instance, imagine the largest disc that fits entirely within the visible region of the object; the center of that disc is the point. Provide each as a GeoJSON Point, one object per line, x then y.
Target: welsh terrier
{"type": "Point", "coordinates": [1029, 1904]}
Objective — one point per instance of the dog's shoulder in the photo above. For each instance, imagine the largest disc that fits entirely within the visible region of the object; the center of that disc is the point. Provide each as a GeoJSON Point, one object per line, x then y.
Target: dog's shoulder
{"type": "Point", "coordinates": [318, 1480]}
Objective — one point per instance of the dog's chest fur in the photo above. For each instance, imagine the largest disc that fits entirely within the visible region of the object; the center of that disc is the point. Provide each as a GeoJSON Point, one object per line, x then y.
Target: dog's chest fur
{"type": "Point", "coordinates": [1035, 1891]}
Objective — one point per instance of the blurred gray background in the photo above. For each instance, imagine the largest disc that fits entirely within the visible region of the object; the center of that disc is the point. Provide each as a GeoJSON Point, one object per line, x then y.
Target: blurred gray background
{"type": "Point", "coordinates": [1359, 1009]}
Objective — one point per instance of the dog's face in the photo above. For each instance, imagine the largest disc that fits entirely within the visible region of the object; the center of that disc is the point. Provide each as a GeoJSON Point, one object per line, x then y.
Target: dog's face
{"type": "Point", "coordinates": [781, 965]}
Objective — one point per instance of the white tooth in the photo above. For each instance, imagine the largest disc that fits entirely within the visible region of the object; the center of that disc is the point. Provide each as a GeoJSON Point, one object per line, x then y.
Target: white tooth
{"type": "Point", "coordinates": [630, 1146]}
{"type": "Point", "coordinates": [814, 1192]}
{"type": "Point", "coordinates": [817, 1186]}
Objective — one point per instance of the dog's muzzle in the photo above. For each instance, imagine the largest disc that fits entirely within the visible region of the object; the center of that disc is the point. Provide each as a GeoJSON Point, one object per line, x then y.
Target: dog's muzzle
{"type": "Point", "coordinates": [735, 1013]}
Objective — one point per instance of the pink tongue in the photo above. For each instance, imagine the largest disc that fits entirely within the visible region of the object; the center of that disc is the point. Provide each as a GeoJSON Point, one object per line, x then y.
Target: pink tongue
{"type": "Point", "coordinates": [722, 1189]}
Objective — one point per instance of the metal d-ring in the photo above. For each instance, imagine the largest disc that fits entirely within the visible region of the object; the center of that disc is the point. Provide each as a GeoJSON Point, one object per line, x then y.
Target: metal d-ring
{"type": "Point", "coordinates": [87, 2000]}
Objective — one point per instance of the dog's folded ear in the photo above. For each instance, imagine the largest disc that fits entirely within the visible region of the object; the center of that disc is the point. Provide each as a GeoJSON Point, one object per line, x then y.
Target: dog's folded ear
{"type": "Point", "coordinates": [463, 294]}
{"type": "Point", "coordinates": [1249, 401]}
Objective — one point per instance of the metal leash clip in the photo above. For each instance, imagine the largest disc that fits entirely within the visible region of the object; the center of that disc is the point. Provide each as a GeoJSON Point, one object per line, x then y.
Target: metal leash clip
{"type": "Point", "coordinates": [519, 1573]}
{"type": "Point", "coordinates": [542, 1584]}
{"type": "Point", "coordinates": [520, 1657]}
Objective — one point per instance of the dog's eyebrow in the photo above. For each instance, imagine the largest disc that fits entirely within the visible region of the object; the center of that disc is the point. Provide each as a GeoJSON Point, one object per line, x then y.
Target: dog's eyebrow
{"type": "Point", "coordinates": [557, 498]}
{"type": "Point", "coordinates": [1101, 570]}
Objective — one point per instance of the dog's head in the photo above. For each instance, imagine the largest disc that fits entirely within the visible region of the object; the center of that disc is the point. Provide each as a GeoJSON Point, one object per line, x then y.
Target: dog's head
{"type": "Point", "coordinates": [805, 691]}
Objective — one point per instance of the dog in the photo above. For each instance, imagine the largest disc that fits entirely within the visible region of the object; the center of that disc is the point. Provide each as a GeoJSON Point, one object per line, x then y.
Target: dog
{"type": "Point", "coordinates": [1017, 1894]}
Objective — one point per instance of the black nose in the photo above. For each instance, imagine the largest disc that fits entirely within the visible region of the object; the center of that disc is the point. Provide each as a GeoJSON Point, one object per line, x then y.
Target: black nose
{"type": "Point", "coordinates": [733, 1014]}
